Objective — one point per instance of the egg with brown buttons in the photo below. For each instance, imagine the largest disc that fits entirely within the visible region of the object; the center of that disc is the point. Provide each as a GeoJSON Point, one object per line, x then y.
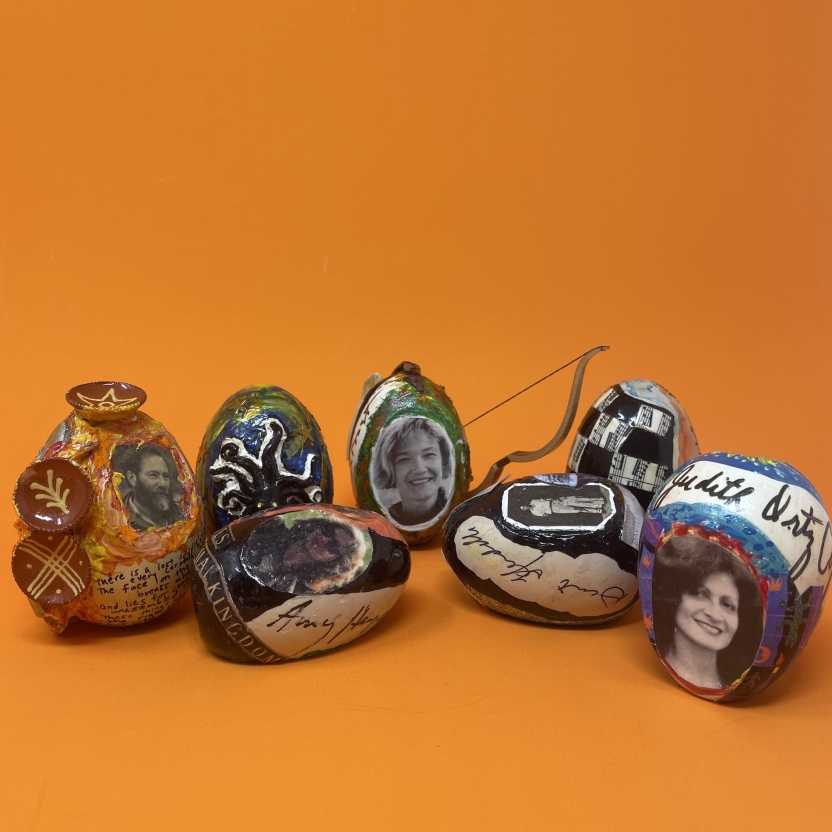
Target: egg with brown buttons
{"type": "Point", "coordinates": [108, 514]}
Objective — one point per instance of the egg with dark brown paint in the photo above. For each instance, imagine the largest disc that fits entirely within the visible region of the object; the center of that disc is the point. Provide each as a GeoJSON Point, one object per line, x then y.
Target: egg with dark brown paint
{"type": "Point", "coordinates": [296, 581]}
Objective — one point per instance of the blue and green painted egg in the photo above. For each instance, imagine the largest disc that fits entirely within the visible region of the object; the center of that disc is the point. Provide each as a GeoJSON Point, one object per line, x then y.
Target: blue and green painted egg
{"type": "Point", "coordinates": [263, 449]}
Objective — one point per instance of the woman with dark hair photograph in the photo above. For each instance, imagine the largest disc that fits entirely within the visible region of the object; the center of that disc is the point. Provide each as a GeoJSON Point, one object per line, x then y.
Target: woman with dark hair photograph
{"type": "Point", "coordinates": [707, 611]}
{"type": "Point", "coordinates": [413, 456]}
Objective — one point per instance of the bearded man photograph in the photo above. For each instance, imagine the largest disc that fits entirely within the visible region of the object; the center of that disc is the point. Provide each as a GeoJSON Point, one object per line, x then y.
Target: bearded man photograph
{"type": "Point", "coordinates": [148, 490]}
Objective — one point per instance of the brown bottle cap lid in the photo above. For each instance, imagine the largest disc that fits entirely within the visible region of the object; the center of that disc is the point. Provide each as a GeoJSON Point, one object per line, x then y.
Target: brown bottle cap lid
{"type": "Point", "coordinates": [51, 568]}
{"type": "Point", "coordinates": [98, 400]}
{"type": "Point", "coordinates": [53, 495]}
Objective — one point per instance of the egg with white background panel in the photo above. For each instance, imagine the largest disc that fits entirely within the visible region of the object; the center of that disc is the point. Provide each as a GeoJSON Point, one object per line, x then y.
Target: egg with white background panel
{"type": "Point", "coordinates": [552, 548]}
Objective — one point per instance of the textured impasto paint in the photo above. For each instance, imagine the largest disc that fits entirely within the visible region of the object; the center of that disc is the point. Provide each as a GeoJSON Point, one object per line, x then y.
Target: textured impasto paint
{"type": "Point", "coordinates": [733, 569]}
{"type": "Point", "coordinates": [135, 516]}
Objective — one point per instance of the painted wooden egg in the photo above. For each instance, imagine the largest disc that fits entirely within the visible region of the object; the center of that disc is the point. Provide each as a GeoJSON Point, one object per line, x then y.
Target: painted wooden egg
{"type": "Point", "coordinates": [263, 449]}
{"type": "Point", "coordinates": [296, 581]}
{"type": "Point", "coordinates": [635, 434]}
{"type": "Point", "coordinates": [553, 548]}
{"type": "Point", "coordinates": [108, 514]}
{"type": "Point", "coordinates": [733, 569]}
{"type": "Point", "coordinates": [408, 453]}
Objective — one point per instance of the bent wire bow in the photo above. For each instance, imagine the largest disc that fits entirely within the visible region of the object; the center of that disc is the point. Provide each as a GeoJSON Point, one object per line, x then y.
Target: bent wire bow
{"type": "Point", "coordinates": [496, 469]}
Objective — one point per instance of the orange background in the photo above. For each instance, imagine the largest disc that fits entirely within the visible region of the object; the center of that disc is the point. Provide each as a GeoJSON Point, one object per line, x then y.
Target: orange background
{"type": "Point", "coordinates": [198, 196]}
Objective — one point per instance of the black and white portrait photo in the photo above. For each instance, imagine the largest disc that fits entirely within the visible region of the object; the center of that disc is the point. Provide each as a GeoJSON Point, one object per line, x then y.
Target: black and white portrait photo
{"type": "Point", "coordinates": [707, 611]}
{"type": "Point", "coordinates": [150, 488]}
{"type": "Point", "coordinates": [412, 470]}
{"type": "Point", "coordinates": [317, 554]}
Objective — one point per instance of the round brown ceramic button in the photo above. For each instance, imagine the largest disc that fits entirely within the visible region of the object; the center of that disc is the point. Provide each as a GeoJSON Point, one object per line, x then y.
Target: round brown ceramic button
{"type": "Point", "coordinates": [51, 568]}
{"type": "Point", "coordinates": [98, 400]}
{"type": "Point", "coordinates": [53, 495]}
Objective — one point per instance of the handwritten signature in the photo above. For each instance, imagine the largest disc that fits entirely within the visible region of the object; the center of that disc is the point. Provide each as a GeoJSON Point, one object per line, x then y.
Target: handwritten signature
{"type": "Point", "coordinates": [517, 571]}
{"type": "Point", "coordinates": [520, 571]}
{"type": "Point", "coordinates": [295, 617]}
{"type": "Point", "coordinates": [800, 524]}
{"type": "Point", "coordinates": [610, 596]}
{"type": "Point", "coordinates": [686, 480]}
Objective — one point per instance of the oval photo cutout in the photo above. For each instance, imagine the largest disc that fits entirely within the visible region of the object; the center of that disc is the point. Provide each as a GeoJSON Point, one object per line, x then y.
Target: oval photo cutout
{"type": "Point", "coordinates": [412, 471]}
{"type": "Point", "coordinates": [707, 612]}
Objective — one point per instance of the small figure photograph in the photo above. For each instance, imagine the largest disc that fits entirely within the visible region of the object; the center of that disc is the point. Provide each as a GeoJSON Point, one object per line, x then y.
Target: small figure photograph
{"type": "Point", "coordinates": [150, 488]}
{"type": "Point", "coordinates": [707, 611]}
{"type": "Point", "coordinates": [314, 555]}
{"type": "Point", "coordinates": [540, 506]}
{"type": "Point", "coordinates": [412, 470]}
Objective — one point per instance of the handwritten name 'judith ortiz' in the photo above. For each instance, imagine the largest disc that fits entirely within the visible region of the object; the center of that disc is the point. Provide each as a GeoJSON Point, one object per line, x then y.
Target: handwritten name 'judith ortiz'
{"type": "Point", "coordinates": [727, 490]}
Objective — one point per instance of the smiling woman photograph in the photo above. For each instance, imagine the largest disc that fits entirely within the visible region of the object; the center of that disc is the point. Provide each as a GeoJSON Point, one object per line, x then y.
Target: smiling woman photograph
{"type": "Point", "coordinates": [411, 470]}
{"type": "Point", "coordinates": [707, 612]}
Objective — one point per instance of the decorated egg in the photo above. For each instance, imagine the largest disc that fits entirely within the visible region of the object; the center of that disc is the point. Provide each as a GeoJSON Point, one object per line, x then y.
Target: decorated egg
{"type": "Point", "coordinates": [733, 568]}
{"type": "Point", "coordinates": [108, 514]}
{"type": "Point", "coordinates": [296, 581]}
{"type": "Point", "coordinates": [635, 434]}
{"type": "Point", "coordinates": [408, 454]}
{"type": "Point", "coordinates": [553, 548]}
{"type": "Point", "coordinates": [263, 449]}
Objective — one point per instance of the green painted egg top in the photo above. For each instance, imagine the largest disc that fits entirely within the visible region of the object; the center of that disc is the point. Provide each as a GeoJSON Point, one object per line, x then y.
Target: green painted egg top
{"type": "Point", "coordinates": [408, 454]}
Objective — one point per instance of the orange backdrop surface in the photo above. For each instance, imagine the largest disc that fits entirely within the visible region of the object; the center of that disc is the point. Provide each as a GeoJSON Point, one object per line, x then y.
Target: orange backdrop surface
{"type": "Point", "coordinates": [197, 196]}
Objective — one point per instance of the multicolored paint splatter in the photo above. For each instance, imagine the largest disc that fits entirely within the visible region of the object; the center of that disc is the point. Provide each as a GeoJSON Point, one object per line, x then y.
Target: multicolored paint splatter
{"type": "Point", "coordinates": [141, 527]}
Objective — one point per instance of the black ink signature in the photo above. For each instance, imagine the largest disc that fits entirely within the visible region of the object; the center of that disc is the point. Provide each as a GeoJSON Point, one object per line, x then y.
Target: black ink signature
{"type": "Point", "coordinates": [611, 595]}
{"type": "Point", "coordinates": [686, 480]}
{"type": "Point", "coordinates": [800, 525]}
{"type": "Point", "coordinates": [295, 615]}
{"type": "Point", "coordinates": [518, 571]}
{"type": "Point", "coordinates": [360, 619]}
